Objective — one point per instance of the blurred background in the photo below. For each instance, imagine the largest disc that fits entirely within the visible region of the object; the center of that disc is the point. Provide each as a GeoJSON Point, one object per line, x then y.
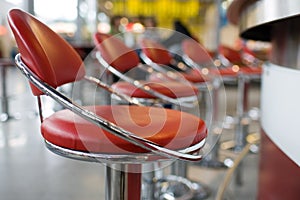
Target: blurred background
{"type": "Point", "coordinates": [77, 20]}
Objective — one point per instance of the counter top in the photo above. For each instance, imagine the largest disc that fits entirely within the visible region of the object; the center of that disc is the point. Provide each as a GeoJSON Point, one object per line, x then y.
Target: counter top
{"type": "Point", "coordinates": [256, 18]}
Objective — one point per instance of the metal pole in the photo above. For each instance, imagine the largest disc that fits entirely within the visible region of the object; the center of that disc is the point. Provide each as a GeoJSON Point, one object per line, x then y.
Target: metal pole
{"type": "Point", "coordinates": [123, 182]}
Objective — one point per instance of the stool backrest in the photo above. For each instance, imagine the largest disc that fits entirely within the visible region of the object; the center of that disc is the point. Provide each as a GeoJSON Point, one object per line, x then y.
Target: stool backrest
{"type": "Point", "coordinates": [115, 52]}
{"type": "Point", "coordinates": [195, 51]}
{"type": "Point", "coordinates": [47, 54]}
{"type": "Point", "coordinates": [156, 52]}
{"type": "Point", "coordinates": [231, 54]}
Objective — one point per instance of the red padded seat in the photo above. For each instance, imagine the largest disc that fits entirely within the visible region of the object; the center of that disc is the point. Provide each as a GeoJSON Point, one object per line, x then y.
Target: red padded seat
{"type": "Point", "coordinates": [251, 70]}
{"type": "Point", "coordinates": [193, 76]}
{"type": "Point", "coordinates": [68, 130]}
{"type": "Point", "coordinates": [224, 71]}
{"type": "Point", "coordinates": [228, 71]}
{"type": "Point", "coordinates": [170, 89]}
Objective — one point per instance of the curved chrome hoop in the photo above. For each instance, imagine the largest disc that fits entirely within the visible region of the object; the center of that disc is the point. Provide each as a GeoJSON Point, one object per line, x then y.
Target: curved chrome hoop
{"type": "Point", "coordinates": [131, 158]}
{"type": "Point", "coordinates": [108, 126]}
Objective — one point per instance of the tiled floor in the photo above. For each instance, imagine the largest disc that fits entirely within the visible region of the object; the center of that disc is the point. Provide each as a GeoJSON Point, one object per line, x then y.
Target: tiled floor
{"type": "Point", "coordinates": [29, 171]}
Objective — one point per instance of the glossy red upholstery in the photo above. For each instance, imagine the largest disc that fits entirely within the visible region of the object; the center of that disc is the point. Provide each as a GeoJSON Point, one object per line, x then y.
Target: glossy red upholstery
{"type": "Point", "coordinates": [233, 72]}
{"type": "Point", "coordinates": [195, 51]}
{"type": "Point", "coordinates": [39, 47]}
{"type": "Point", "coordinates": [198, 54]}
{"type": "Point", "coordinates": [56, 62]}
{"type": "Point", "coordinates": [234, 57]}
{"type": "Point", "coordinates": [123, 58]}
{"type": "Point", "coordinates": [156, 52]}
{"type": "Point", "coordinates": [252, 70]}
{"type": "Point", "coordinates": [225, 71]}
{"type": "Point", "coordinates": [166, 127]}
{"type": "Point", "coordinates": [168, 88]}
{"type": "Point", "coordinates": [193, 76]}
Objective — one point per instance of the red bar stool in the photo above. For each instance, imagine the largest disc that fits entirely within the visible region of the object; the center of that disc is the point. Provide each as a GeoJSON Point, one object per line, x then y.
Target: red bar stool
{"type": "Point", "coordinates": [114, 55]}
{"type": "Point", "coordinates": [124, 137]}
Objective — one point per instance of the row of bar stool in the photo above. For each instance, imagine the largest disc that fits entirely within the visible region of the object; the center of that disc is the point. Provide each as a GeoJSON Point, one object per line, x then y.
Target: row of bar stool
{"type": "Point", "coordinates": [171, 92]}
{"type": "Point", "coordinates": [124, 137]}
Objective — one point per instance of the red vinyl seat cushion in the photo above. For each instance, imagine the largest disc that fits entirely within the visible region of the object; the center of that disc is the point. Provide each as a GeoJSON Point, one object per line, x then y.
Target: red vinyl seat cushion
{"type": "Point", "coordinates": [170, 128]}
{"type": "Point", "coordinates": [251, 70]}
{"type": "Point", "coordinates": [228, 71]}
{"type": "Point", "coordinates": [193, 76]}
{"type": "Point", "coordinates": [171, 89]}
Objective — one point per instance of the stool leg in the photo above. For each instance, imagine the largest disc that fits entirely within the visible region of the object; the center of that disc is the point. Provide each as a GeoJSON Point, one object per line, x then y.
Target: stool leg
{"type": "Point", "coordinates": [212, 158]}
{"type": "Point", "coordinates": [179, 168]}
{"type": "Point", "coordinates": [123, 182]}
{"type": "Point", "coordinates": [149, 185]}
{"type": "Point", "coordinates": [242, 120]}
{"type": "Point", "coordinates": [242, 108]}
{"type": "Point", "coordinates": [208, 111]}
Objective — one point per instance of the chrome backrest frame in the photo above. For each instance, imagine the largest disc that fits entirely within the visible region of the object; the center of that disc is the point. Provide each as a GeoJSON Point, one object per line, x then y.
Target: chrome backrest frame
{"type": "Point", "coordinates": [176, 101]}
{"type": "Point", "coordinates": [172, 74]}
{"type": "Point", "coordinates": [190, 153]}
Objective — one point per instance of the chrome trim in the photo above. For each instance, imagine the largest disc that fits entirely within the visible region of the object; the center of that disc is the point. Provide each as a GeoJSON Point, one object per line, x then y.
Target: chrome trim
{"type": "Point", "coordinates": [286, 43]}
{"type": "Point", "coordinates": [257, 17]}
{"type": "Point", "coordinates": [263, 12]}
{"type": "Point", "coordinates": [132, 158]}
{"type": "Point", "coordinates": [108, 126]}
{"type": "Point", "coordinates": [205, 86]}
{"type": "Point", "coordinates": [112, 91]}
{"type": "Point", "coordinates": [174, 75]}
{"type": "Point", "coordinates": [149, 62]}
{"type": "Point", "coordinates": [276, 21]}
